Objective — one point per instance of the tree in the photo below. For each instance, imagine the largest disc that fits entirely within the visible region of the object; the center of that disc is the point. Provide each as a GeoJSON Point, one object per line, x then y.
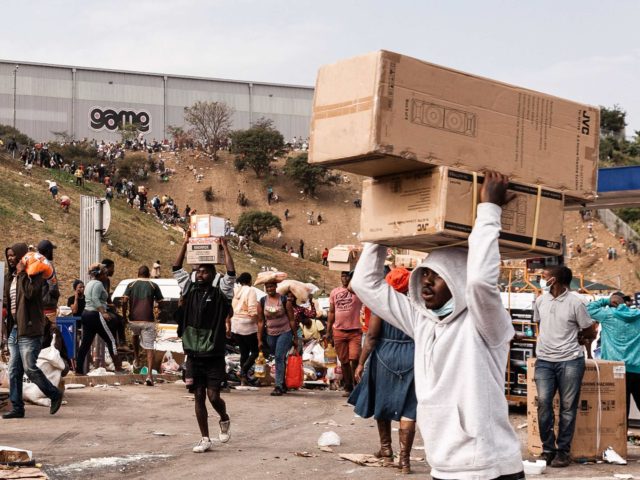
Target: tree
{"type": "Point", "coordinates": [612, 120]}
{"type": "Point", "coordinates": [257, 224]}
{"type": "Point", "coordinates": [128, 132]}
{"type": "Point", "coordinates": [63, 136]}
{"type": "Point", "coordinates": [211, 122]}
{"type": "Point", "coordinates": [306, 176]}
{"type": "Point", "coordinates": [258, 146]}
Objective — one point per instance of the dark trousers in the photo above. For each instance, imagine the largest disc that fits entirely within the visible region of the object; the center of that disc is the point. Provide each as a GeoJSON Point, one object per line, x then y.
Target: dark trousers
{"type": "Point", "coordinates": [92, 325]}
{"type": "Point", "coordinates": [117, 327]}
{"type": "Point", "coordinates": [633, 389]}
{"type": "Point", "coordinates": [248, 345]}
{"type": "Point", "coordinates": [566, 379]}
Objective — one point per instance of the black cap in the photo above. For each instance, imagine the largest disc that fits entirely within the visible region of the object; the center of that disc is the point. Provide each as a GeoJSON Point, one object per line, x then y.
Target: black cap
{"type": "Point", "coordinates": [45, 245]}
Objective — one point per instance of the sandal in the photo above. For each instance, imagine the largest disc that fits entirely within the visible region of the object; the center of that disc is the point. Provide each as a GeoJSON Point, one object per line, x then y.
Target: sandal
{"type": "Point", "coordinates": [148, 382]}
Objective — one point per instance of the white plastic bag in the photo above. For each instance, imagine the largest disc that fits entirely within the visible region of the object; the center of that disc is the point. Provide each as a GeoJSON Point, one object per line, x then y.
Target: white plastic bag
{"type": "Point", "coordinates": [329, 439]}
{"type": "Point", "coordinates": [51, 363]}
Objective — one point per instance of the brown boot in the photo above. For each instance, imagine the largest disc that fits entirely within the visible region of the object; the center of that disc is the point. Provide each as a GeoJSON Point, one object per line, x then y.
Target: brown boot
{"type": "Point", "coordinates": [384, 431]}
{"type": "Point", "coordinates": [407, 433]}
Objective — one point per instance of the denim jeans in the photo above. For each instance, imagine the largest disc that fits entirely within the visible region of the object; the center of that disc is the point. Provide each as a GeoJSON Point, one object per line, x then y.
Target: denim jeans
{"type": "Point", "coordinates": [279, 346]}
{"type": "Point", "coordinates": [564, 378]}
{"type": "Point", "coordinates": [24, 353]}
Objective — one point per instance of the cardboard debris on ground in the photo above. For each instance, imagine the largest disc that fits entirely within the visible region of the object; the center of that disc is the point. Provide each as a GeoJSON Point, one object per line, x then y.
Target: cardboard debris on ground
{"type": "Point", "coordinates": [36, 217]}
{"type": "Point", "coordinates": [326, 449]}
{"type": "Point", "coordinates": [22, 473]}
{"type": "Point", "coordinates": [13, 455]}
{"type": "Point", "coordinates": [366, 460]}
{"type": "Point", "coordinates": [304, 454]}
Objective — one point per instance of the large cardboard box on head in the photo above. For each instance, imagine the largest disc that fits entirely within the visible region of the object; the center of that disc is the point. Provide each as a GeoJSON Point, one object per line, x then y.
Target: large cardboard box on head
{"type": "Point", "coordinates": [434, 208]}
{"type": "Point", "coordinates": [601, 420]}
{"type": "Point", "coordinates": [385, 113]}
{"type": "Point", "coordinates": [343, 258]}
{"type": "Point", "coordinates": [205, 250]}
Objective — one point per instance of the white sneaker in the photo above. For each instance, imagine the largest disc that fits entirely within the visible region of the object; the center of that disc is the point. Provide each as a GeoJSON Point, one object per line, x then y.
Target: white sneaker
{"type": "Point", "coordinates": [203, 445]}
{"type": "Point", "coordinates": [224, 434]}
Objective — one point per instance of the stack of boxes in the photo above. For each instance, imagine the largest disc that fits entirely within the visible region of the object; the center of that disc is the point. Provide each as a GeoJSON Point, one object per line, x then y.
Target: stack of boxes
{"type": "Point", "coordinates": [343, 258]}
{"type": "Point", "coordinates": [204, 245]}
{"type": "Point", "coordinates": [420, 131]}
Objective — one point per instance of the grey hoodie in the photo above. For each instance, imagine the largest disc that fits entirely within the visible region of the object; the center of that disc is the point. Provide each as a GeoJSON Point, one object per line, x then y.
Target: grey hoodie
{"type": "Point", "coordinates": [460, 360]}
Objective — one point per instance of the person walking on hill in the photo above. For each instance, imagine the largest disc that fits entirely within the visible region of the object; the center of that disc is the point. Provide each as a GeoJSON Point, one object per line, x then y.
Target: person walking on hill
{"type": "Point", "coordinates": [301, 249]}
{"type": "Point", "coordinates": [462, 335]}
{"type": "Point", "coordinates": [344, 330]}
{"type": "Point", "coordinates": [137, 306]}
{"type": "Point", "coordinates": [26, 324]}
{"type": "Point", "coordinates": [205, 305]}
{"type": "Point", "coordinates": [325, 257]}
{"type": "Point", "coordinates": [560, 360]}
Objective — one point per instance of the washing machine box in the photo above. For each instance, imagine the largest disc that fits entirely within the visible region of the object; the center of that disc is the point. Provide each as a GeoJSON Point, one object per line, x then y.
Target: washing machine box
{"type": "Point", "coordinates": [385, 113]}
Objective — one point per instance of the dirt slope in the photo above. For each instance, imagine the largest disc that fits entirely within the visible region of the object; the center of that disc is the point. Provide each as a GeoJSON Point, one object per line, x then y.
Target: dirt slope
{"type": "Point", "coordinates": [135, 238]}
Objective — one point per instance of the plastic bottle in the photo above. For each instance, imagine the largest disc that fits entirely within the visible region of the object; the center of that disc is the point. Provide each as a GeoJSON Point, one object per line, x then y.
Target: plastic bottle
{"type": "Point", "coordinates": [330, 357]}
{"type": "Point", "coordinates": [260, 367]}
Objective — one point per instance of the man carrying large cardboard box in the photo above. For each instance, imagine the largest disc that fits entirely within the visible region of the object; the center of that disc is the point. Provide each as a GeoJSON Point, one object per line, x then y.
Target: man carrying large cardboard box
{"type": "Point", "coordinates": [560, 360]}
{"type": "Point", "coordinates": [462, 334]}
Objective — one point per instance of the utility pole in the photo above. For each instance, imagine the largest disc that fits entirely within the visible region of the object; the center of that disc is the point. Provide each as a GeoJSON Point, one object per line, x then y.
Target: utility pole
{"type": "Point", "coordinates": [15, 83]}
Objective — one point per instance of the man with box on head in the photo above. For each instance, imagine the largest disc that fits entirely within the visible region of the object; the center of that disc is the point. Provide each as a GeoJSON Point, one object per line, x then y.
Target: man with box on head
{"type": "Point", "coordinates": [462, 334]}
{"type": "Point", "coordinates": [560, 362]}
{"type": "Point", "coordinates": [204, 306]}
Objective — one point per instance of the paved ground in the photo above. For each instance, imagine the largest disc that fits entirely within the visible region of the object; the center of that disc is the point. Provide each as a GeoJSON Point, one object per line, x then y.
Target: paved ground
{"type": "Point", "coordinates": [110, 433]}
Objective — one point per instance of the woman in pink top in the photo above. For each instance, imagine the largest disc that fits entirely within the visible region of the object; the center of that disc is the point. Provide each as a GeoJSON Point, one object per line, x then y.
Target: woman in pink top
{"type": "Point", "coordinates": [276, 313]}
{"type": "Point", "coordinates": [243, 325]}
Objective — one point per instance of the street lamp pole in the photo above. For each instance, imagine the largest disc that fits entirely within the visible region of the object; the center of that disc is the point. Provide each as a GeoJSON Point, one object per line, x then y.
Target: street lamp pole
{"type": "Point", "coordinates": [15, 81]}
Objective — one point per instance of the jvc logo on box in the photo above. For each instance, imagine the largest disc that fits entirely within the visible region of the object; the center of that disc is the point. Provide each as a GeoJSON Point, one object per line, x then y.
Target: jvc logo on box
{"type": "Point", "coordinates": [586, 121]}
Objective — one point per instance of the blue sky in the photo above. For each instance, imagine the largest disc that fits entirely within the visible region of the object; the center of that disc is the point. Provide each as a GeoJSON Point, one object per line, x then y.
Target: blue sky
{"type": "Point", "coordinates": [587, 50]}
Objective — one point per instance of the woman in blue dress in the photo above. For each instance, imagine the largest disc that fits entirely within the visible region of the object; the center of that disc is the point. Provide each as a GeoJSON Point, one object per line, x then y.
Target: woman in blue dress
{"type": "Point", "coordinates": [385, 387]}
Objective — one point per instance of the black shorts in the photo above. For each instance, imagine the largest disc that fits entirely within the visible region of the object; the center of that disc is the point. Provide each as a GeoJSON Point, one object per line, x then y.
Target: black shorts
{"type": "Point", "coordinates": [210, 372]}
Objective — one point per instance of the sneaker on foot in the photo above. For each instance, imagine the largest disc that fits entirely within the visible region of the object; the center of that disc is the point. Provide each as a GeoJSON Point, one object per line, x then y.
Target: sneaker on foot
{"type": "Point", "coordinates": [13, 414]}
{"type": "Point", "coordinates": [224, 435]}
{"type": "Point", "coordinates": [548, 457]}
{"type": "Point", "coordinates": [203, 445]}
{"type": "Point", "coordinates": [562, 460]}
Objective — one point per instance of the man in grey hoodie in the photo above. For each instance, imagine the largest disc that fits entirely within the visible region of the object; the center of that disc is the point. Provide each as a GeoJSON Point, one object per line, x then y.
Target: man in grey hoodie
{"type": "Point", "coordinates": [462, 334]}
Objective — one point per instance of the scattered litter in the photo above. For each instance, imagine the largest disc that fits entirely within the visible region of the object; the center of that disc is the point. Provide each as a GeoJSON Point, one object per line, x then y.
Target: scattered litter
{"type": "Point", "coordinates": [326, 449]}
{"type": "Point", "coordinates": [15, 455]}
{"type": "Point", "coordinates": [26, 185]}
{"type": "Point", "coordinates": [161, 434]}
{"type": "Point", "coordinates": [73, 386]}
{"type": "Point", "coordinates": [534, 468]}
{"type": "Point", "coordinates": [246, 388]}
{"type": "Point", "coordinates": [521, 426]}
{"type": "Point", "coordinates": [99, 372]}
{"type": "Point", "coordinates": [36, 217]}
{"type": "Point", "coordinates": [331, 423]}
{"type": "Point", "coordinates": [623, 476]}
{"type": "Point", "coordinates": [179, 382]}
{"type": "Point", "coordinates": [304, 454]}
{"type": "Point", "coordinates": [365, 460]}
{"type": "Point", "coordinates": [611, 456]}
{"type": "Point", "coordinates": [105, 462]}
{"type": "Point", "coordinates": [329, 439]}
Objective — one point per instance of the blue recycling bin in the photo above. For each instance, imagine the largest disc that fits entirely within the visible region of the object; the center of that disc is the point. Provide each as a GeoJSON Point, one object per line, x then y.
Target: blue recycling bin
{"type": "Point", "coordinates": [68, 326]}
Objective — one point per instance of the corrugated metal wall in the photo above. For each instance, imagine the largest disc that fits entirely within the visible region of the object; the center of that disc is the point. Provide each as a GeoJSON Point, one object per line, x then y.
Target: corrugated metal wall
{"type": "Point", "coordinates": [50, 98]}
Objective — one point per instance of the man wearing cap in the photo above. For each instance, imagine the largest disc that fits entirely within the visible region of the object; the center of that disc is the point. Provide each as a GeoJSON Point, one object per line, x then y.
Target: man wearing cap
{"type": "Point", "coordinates": [343, 328]}
{"type": "Point", "coordinates": [50, 290]}
{"type": "Point", "coordinates": [620, 334]}
{"type": "Point", "coordinates": [25, 324]}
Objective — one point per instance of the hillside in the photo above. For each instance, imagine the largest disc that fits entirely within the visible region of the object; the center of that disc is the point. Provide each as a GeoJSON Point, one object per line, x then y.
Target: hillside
{"type": "Point", "coordinates": [134, 238]}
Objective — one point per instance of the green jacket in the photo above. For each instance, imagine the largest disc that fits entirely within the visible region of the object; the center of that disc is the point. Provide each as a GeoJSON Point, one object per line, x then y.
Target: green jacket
{"type": "Point", "coordinates": [620, 332]}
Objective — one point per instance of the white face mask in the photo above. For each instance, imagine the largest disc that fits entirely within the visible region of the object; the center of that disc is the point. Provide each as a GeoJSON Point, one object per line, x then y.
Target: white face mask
{"type": "Point", "coordinates": [545, 286]}
{"type": "Point", "coordinates": [446, 309]}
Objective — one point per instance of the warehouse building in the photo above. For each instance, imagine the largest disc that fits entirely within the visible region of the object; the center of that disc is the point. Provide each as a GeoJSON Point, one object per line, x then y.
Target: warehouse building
{"type": "Point", "coordinates": [39, 99]}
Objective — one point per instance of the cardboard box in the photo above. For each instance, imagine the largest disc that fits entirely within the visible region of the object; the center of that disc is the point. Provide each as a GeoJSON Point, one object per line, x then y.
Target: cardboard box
{"type": "Point", "coordinates": [205, 250]}
{"type": "Point", "coordinates": [203, 226]}
{"type": "Point", "coordinates": [384, 113]}
{"type": "Point", "coordinates": [409, 261]}
{"type": "Point", "coordinates": [604, 385]}
{"type": "Point", "coordinates": [434, 208]}
{"type": "Point", "coordinates": [343, 258]}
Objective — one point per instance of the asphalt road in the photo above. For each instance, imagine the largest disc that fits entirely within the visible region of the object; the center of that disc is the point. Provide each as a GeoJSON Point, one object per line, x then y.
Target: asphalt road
{"type": "Point", "coordinates": [139, 432]}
